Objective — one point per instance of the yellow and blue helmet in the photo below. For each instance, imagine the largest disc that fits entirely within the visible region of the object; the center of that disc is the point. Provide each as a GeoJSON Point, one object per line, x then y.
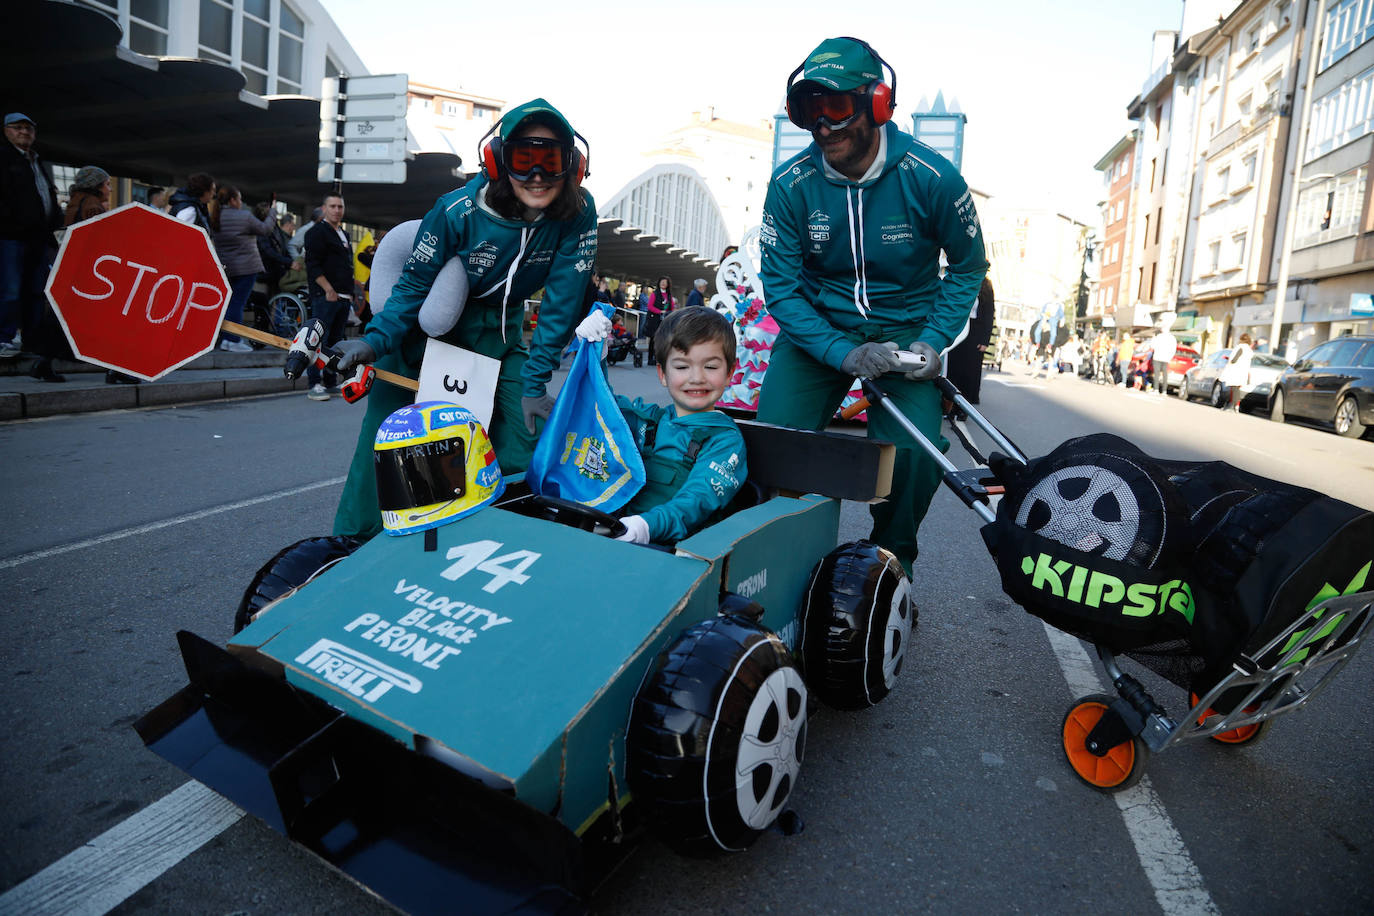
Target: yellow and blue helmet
{"type": "Point", "coordinates": [434, 465]}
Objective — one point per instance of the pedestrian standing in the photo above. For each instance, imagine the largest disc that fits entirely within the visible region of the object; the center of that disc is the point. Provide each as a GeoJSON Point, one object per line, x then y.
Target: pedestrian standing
{"type": "Point", "coordinates": [1162, 352]}
{"type": "Point", "coordinates": [235, 231]}
{"type": "Point", "coordinates": [29, 214]}
{"type": "Point", "coordinates": [329, 265]}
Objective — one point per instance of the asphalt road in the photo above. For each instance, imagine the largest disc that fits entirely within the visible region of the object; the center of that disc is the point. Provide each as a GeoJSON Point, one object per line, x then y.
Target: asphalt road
{"type": "Point", "coordinates": [950, 796]}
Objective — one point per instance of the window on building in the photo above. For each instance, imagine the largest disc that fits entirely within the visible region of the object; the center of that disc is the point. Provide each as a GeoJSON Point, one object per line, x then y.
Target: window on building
{"type": "Point", "coordinates": [1336, 202]}
{"type": "Point", "coordinates": [1238, 249]}
{"type": "Point", "coordinates": [148, 26]}
{"type": "Point", "coordinates": [1246, 105]}
{"type": "Point", "coordinates": [1159, 222]}
{"type": "Point", "coordinates": [451, 109]}
{"type": "Point", "coordinates": [1253, 36]}
{"type": "Point", "coordinates": [1273, 85]}
{"type": "Point", "coordinates": [1146, 236]}
{"type": "Point", "coordinates": [290, 50]}
{"type": "Point", "coordinates": [216, 30]}
{"type": "Point", "coordinates": [1154, 163]}
{"type": "Point", "coordinates": [1223, 184]}
{"type": "Point", "coordinates": [1349, 24]}
{"type": "Point", "coordinates": [1342, 115]}
{"type": "Point", "coordinates": [1247, 168]}
{"type": "Point", "coordinates": [1150, 294]}
{"type": "Point", "coordinates": [1213, 257]}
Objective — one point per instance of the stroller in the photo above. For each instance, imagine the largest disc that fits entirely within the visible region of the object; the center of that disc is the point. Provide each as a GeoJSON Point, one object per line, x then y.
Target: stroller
{"type": "Point", "coordinates": [1246, 592]}
{"type": "Point", "coordinates": [620, 348]}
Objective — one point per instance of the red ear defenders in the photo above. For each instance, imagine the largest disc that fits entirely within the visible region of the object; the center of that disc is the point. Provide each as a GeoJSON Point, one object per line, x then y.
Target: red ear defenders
{"type": "Point", "coordinates": [877, 98]}
{"type": "Point", "coordinates": [489, 150]}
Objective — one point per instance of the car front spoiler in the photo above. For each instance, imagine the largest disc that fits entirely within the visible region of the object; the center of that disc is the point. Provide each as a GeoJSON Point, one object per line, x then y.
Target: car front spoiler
{"type": "Point", "coordinates": [417, 833]}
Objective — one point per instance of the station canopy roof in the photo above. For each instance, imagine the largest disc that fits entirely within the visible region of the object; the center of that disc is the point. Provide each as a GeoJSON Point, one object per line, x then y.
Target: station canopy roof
{"type": "Point", "coordinates": [624, 251]}
{"type": "Point", "coordinates": [160, 119]}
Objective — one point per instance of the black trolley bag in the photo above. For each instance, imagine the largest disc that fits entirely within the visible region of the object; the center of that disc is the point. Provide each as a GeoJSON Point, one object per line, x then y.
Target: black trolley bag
{"type": "Point", "coordinates": [1248, 592]}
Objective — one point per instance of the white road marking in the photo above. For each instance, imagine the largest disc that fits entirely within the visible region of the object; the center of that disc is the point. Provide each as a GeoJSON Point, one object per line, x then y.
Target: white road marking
{"type": "Point", "coordinates": [11, 562]}
{"type": "Point", "coordinates": [1014, 384]}
{"type": "Point", "coordinates": [1177, 883]}
{"type": "Point", "coordinates": [109, 869]}
{"type": "Point", "coordinates": [1259, 451]}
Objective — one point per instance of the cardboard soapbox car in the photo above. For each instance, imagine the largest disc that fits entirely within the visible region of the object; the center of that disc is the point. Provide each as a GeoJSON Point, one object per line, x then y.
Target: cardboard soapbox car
{"type": "Point", "coordinates": [477, 714]}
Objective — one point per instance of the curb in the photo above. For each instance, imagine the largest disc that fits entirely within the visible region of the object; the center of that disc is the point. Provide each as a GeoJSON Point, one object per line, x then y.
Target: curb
{"type": "Point", "coordinates": [30, 405]}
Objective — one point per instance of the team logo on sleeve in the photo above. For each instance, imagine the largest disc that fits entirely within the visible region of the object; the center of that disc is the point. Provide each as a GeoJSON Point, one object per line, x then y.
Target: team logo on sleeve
{"type": "Point", "coordinates": [968, 215]}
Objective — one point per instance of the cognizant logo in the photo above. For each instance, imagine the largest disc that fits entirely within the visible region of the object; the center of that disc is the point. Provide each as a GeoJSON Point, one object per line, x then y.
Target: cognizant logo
{"type": "Point", "coordinates": [1096, 589]}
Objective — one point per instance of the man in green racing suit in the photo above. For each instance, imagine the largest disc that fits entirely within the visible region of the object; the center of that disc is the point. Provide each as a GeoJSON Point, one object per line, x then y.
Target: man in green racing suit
{"type": "Point", "coordinates": [852, 232]}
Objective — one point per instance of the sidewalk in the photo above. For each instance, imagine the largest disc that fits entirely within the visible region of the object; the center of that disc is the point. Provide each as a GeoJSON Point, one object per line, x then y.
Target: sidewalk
{"type": "Point", "coordinates": [211, 377]}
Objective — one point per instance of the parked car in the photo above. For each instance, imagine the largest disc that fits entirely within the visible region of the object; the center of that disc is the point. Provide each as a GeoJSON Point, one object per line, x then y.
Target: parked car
{"type": "Point", "coordinates": [1204, 380]}
{"type": "Point", "coordinates": [1332, 383]}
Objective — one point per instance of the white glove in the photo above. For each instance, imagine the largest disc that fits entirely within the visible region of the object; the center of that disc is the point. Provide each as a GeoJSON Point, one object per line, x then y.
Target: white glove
{"type": "Point", "coordinates": [636, 530]}
{"type": "Point", "coordinates": [595, 326]}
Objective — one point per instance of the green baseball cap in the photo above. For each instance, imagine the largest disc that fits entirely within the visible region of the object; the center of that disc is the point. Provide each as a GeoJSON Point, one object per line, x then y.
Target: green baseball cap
{"type": "Point", "coordinates": [542, 113]}
{"type": "Point", "coordinates": [841, 64]}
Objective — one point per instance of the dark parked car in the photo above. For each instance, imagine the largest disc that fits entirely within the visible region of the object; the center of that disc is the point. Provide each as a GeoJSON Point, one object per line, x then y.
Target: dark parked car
{"type": "Point", "coordinates": [1332, 383]}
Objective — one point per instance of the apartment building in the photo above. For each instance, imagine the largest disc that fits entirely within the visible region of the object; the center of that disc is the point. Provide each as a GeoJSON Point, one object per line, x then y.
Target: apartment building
{"type": "Point", "coordinates": [1112, 300]}
{"type": "Point", "coordinates": [1332, 259]}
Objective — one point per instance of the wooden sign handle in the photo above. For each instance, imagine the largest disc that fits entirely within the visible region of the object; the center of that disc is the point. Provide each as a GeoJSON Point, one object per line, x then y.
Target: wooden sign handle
{"type": "Point", "coordinates": [281, 343]}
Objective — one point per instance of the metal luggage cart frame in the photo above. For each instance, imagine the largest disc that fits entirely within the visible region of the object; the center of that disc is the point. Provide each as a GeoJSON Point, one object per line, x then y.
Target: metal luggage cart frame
{"type": "Point", "coordinates": [1107, 740]}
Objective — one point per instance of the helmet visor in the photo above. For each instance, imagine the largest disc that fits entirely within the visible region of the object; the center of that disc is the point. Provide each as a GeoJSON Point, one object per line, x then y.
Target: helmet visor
{"type": "Point", "coordinates": [526, 155]}
{"type": "Point", "coordinates": [424, 474]}
{"type": "Point", "coordinates": [810, 107]}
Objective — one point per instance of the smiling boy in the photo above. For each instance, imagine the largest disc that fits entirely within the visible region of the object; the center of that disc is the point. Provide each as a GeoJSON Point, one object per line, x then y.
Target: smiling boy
{"type": "Point", "coordinates": [693, 454]}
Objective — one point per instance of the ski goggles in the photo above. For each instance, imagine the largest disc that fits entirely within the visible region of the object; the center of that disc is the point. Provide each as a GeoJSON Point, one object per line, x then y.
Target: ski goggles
{"type": "Point", "coordinates": [524, 156]}
{"type": "Point", "coordinates": [809, 108]}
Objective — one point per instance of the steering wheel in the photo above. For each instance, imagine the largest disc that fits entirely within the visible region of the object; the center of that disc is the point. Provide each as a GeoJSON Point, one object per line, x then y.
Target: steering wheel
{"type": "Point", "coordinates": [575, 515]}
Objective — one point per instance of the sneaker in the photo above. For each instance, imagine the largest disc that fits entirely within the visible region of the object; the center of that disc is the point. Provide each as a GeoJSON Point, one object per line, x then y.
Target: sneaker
{"type": "Point", "coordinates": [235, 346]}
{"type": "Point", "coordinates": [317, 393]}
{"type": "Point", "coordinates": [9, 349]}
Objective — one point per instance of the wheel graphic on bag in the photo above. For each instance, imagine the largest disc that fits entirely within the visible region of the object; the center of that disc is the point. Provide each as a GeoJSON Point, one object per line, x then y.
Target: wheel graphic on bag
{"type": "Point", "coordinates": [292, 567]}
{"type": "Point", "coordinates": [857, 624]}
{"type": "Point", "coordinates": [716, 737]}
{"type": "Point", "coordinates": [1109, 507]}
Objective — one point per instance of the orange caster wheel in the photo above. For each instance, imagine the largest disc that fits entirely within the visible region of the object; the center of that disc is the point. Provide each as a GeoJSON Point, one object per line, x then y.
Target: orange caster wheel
{"type": "Point", "coordinates": [1120, 768]}
{"type": "Point", "coordinates": [1236, 737]}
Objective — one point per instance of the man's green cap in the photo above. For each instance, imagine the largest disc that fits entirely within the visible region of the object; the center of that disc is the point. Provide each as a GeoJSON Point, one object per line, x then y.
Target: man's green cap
{"type": "Point", "coordinates": [842, 64]}
{"type": "Point", "coordinates": [541, 112]}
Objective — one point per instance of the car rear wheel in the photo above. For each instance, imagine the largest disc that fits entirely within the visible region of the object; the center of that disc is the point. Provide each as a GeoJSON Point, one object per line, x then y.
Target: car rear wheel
{"type": "Point", "coordinates": [290, 569]}
{"type": "Point", "coordinates": [1276, 407]}
{"type": "Point", "coordinates": [1218, 396]}
{"type": "Point", "coordinates": [1183, 389]}
{"type": "Point", "coordinates": [1348, 418]}
{"type": "Point", "coordinates": [716, 736]}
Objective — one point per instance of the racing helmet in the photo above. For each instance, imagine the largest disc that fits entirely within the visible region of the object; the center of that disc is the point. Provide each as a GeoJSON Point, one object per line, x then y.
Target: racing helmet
{"type": "Point", "coordinates": [434, 465]}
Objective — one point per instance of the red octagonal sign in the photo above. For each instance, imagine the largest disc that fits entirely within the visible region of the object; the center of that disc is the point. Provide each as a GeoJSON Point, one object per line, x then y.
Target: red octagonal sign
{"type": "Point", "coordinates": [138, 291]}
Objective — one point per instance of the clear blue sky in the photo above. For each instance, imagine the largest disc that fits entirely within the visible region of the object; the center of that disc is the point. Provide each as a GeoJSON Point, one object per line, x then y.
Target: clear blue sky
{"type": "Point", "coordinates": [1045, 86]}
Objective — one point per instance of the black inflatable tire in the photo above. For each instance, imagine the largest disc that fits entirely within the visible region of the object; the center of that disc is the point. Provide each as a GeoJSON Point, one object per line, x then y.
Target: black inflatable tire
{"type": "Point", "coordinates": [722, 702]}
{"type": "Point", "coordinates": [857, 623]}
{"type": "Point", "coordinates": [291, 568]}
